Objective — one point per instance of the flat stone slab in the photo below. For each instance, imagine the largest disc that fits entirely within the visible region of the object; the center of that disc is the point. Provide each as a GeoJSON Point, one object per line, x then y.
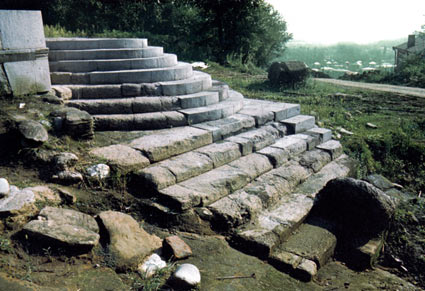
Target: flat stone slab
{"type": "Point", "coordinates": [121, 155]}
{"type": "Point", "coordinates": [65, 226]}
{"type": "Point", "coordinates": [166, 143]}
{"type": "Point", "coordinates": [299, 123]}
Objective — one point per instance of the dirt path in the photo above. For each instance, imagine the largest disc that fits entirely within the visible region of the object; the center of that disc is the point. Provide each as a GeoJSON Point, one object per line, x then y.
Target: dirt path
{"type": "Point", "coordinates": [418, 92]}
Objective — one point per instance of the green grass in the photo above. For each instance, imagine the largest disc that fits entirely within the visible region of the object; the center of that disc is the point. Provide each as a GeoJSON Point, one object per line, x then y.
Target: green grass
{"type": "Point", "coordinates": [395, 148]}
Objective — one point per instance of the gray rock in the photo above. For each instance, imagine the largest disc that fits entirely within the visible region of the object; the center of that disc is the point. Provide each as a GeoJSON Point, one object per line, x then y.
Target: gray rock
{"type": "Point", "coordinates": [129, 244]}
{"type": "Point", "coordinates": [99, 171]}
{"type": "Point", "coordinates": [186, 276]}
{"type": "Point", "coordinates": [356, 206]}
{"type": "Point", "coordinates": [64, 161]}
{"type": "Point", "coordinates": [64, 227]}
{"type": "Point", "coordinates": [16, 200]}
{"type": "Point", "coordinates": [33, 133]}
{"type": "Point", "coordinates": [75, 123]}
{"type": "Point", "coordinates": [4, 187]}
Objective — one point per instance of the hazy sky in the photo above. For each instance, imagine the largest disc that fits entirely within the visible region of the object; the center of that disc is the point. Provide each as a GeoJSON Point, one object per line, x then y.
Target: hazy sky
{"type": "Point", "coordinates": [331, 21]}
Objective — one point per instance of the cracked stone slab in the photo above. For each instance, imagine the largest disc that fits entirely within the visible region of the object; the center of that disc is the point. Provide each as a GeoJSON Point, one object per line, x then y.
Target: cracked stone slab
{"type": "Point", "coordinates": [65, 226]}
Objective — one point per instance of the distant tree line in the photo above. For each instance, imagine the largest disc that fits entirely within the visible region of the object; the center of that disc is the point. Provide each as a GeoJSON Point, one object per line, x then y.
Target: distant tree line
{"type": "Point", "coordinates": [194, 29]}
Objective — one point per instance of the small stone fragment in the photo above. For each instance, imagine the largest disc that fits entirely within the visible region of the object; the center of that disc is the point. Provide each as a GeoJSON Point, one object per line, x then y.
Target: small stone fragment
{"type": "Point", "coordinates": [371, 125]}
{"type": "Point", "coordinates": [344, 131]}
{"type": "Point", "coordinates": [186, 276]}
{"type": "Point", "coordinates": [175, 247]}
{"type": "Point", "coordinates": [99, 171]}
{"type": "Point", "coordinates": [67, 178]}
{"type": "Point", "coordinates": [152, 264]}
{"type": "Point", "coordinates": [4, 187]}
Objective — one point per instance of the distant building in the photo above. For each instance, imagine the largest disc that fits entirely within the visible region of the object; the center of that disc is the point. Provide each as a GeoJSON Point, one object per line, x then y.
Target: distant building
{"type": "Point", "coordinates": [415, 45]}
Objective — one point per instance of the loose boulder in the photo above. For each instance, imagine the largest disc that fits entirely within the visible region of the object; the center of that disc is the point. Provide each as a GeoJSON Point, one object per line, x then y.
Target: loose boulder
{"type": "Point", "coordinates": [128, 243]}
{"type": "Point", "coordinates": [66, 228]}
{"type": "Point", "coordinates": [74, 122]}
{"type": "Point", "coordinates": [357, 205]}
{"type": "Point", "coordinates": [287, 74]}
{"type": "Point", "coordinates": [32, 133]}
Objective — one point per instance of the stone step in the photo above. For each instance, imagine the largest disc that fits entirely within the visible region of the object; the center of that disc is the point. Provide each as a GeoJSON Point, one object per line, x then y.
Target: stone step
{"type": "Point", "coordinates": [215, 184]}
{"type": "Point", "coordinates": [164, 119]}
{"type": "Point", "coordinates": [272, 226]}
{"type": "Point", "coordinates": [266, 111]}
{"type": "Point", "coordinates": [106, 53]}
{"type": "Point", "coordinates": [236, 209]}
{"type": "Point", "coordinates": [80, 66]}
{"type": "Point", "coordinates": [224, 109]}
{"type": "Point", "coordinates": [305, 251]}
{"type": "Point", "coordinates": [199, 161]}
{"type": "Point", "coordinates": [197, 83]}
{"type": "Point", "coordinates": [299, 123]}
{"type": "Point", "coordinates": [227, 127]}
{"type": "Point", "coordinates": [140, 121]}
{"type": "Point", "coordinates": [222, 88]}
{"type": "Point", "coordinates": [133, 105]}
{"type": "Point", "coordinates": [78, 43]}
{"type": "Point", "coordinates": [178, 72]}
{"type": "Point", "coordinates": [163, 144]}
{"type": "Point", "coordinates": [209, 187]}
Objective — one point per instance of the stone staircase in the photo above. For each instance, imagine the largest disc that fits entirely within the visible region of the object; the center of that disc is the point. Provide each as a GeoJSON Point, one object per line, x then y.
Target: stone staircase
{"type": "Point", "coordinates": [249, 169]}
{"type": "Point", "coordinates": [127, 85]}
